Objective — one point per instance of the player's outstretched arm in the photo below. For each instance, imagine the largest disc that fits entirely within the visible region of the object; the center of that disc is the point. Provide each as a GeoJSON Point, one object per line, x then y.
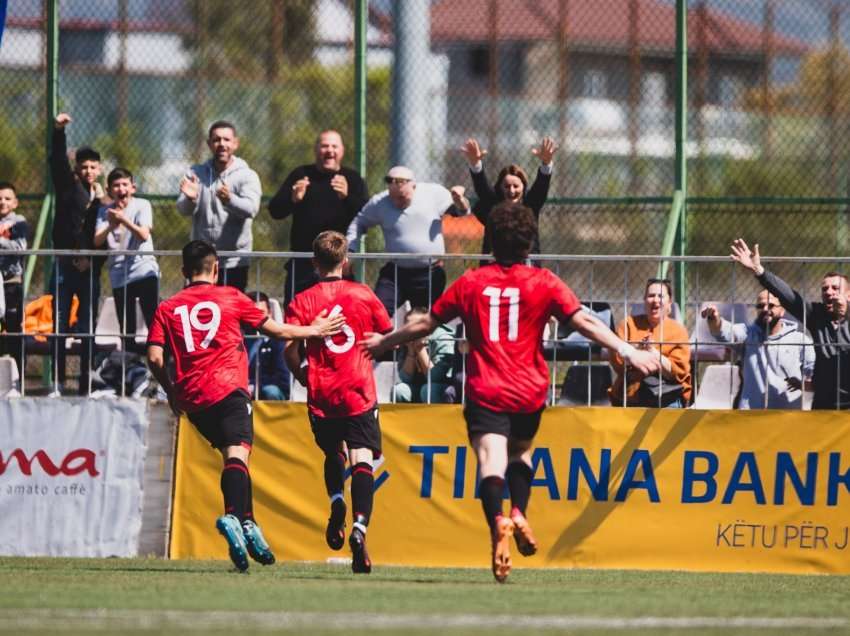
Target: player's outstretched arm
{"type": "Point", "coordinates": [323, 325]}
{"type": "Point", "coordinates": [591, 327]}
{"type": "Point", "coordinates": [156, 363]}
{"type": "Point", "coordinates": [419, 326]}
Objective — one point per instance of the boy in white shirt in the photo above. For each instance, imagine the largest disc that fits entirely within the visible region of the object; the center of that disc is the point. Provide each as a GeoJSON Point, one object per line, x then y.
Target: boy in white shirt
{"type": "Point", "coordinates": [125, 225]}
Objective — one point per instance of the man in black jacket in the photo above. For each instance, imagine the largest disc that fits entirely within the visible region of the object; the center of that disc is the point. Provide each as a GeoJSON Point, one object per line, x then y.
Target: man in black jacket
{"type": "Point", "coordinates": [319, 196]}
{"type": "Point", "coordinates": [826, 321]}
{"type": "Point", "coordinates": [78, 195]}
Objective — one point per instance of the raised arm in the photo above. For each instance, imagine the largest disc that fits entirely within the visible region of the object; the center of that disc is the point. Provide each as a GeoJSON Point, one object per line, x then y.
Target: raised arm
{"type": "Point", "coordinates": [789, 298]}
{"type": "Point", "coordinates": [537, 194]}
{"type": "Point", "coordinates": [60, 166]}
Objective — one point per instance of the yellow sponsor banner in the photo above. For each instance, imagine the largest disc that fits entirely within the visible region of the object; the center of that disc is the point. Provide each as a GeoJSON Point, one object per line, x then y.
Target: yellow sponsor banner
{"type": "Point", "coordinates": [613, 488]}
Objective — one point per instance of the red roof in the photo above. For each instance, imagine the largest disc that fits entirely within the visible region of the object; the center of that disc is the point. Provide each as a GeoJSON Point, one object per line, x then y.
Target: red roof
{"type": "Point", "coordinates": [598, 24]}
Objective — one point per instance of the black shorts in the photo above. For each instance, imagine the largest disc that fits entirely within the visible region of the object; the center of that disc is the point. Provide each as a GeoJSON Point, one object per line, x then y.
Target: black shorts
{"type": "Point", "coordinates": [357, 431]}
{"type": "Point", "coordinates": [519, 426]}
{"type": "Point", "coordinates": [228, 422]}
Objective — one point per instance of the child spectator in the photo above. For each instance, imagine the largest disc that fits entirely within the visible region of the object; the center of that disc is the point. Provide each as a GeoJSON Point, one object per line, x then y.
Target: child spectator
{"type": "Point", "coordinates": [125, 225]}
{"type": "Point", "coordinates": [13, 237]}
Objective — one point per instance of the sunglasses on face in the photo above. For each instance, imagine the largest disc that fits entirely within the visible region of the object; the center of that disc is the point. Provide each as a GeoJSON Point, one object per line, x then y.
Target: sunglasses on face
{"type": "Point", "coordinates": [395, 181]}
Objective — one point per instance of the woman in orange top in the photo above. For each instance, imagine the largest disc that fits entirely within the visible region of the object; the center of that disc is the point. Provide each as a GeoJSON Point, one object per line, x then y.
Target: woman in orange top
{"type": "Point", "coordinates": [654, 331]}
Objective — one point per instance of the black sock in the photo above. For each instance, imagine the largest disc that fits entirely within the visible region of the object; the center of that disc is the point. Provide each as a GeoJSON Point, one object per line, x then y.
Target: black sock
{"type": "Point", "coordinates": [519, 484]}
{"type": "Point", "coordinates": [362, 485]}
{"type": "Point", "coordinates": [334, 473]}
{"type": "Point", "coordinates": [236, 488]}
{"type": "Point", "coordinates": [490, 489]}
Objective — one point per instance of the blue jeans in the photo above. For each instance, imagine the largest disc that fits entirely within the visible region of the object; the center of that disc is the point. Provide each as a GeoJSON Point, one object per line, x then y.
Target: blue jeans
{"type": "Point", "coordinates": [272, 392]}
{"type": "Point", "coordinates": [67, 281]}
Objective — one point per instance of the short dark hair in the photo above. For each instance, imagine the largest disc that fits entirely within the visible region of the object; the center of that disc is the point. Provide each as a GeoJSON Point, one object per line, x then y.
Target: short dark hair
{"type": "Point", "coordinates": [659, 281]}
{"type": "Point", "coordinates": [330, 248]}
{"type": "Point", "coordinates": [8, 185]}
{"type": "Point", "coordinates": [221, 123]}
{"type": "Point", "coordinates": [86, 153]}
{"type": "Point", "coordinates": [513, 229]}
{"type": "Point", "coordinates": [832, 274]}
{"type": "Point", "coordinates": [119, 173]}
{"type": "Point", "coordinates": [259, 297]}
{"type": "Point", "coordinates": [198, 258]}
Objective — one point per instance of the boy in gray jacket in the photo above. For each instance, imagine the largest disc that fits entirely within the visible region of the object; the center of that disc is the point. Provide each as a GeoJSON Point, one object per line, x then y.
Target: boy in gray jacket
{"type": "Point", "coordinates": [222, 196]}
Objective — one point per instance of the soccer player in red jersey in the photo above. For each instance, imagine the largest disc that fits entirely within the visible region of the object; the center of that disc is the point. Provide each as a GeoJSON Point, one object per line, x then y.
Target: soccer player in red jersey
{"type": "Point", "coordinates": [340, 383]}
{"type": "Point", "coordinates": [201, 327]}
{"type": "Point", "coordinates": [505, 306]}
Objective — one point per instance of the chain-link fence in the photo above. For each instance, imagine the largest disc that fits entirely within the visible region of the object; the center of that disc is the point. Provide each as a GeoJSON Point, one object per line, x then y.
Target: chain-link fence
{"type": "Point", "coordinates": [768, 105]}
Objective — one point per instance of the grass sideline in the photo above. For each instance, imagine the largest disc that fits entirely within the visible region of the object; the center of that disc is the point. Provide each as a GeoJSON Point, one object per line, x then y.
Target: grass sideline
{"type": "Point", "coordinates": [119, 596]}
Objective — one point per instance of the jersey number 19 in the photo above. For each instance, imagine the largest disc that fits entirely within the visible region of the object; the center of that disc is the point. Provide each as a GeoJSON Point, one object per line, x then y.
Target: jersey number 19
{"type": "Point", "coordinates": [190, 320]}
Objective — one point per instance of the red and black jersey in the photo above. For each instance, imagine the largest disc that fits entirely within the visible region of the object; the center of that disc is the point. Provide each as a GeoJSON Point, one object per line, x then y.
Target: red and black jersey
{"type": "Point", "coordinates": [340, 380]}
{"type": "Point", "coordinates": [201, 326]}
{"type": "Point", "coordinates": [505, 309]}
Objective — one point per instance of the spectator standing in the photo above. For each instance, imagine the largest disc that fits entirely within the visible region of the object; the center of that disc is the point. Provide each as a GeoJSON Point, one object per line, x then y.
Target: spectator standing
{"type": "Point", "coordinates": [423, 359]}
{"type": "Point", "coordinates": [13, 237]}
{"type": "Point", "coordinates": [268, 377]}
{"type": "Point", "coordinates": [223, 196]}
{"type": "Point", "coordinates": [778, 360]}
{"type": "Point", "coordinates": [125, 225]}
{"type": "Point", "coordinates": [667, 339]}
{"type": "Point", "coordinates": [826, 322]}
{"type": "Point", "coordinates": [78, 197]}
{"type": "Point", "coordinates": [511, 185]}
{"type": "Point", "coordinates": [324, 195]}
{"type": "Point", "coordinates": [410, 215]}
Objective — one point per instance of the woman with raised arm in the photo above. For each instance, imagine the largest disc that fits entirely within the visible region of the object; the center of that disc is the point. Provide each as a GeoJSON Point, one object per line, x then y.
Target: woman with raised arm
{"type": "Point", "coordinates": [511, 185]}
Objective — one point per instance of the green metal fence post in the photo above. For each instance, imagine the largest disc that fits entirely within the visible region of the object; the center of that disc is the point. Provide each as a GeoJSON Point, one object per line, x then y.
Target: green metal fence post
{"type": "Point", "coordinates": [361, 8]}
{"type": "Point", "coordinates": [45, 217]}
{"type": "Point", "coordinates": [681, 175]}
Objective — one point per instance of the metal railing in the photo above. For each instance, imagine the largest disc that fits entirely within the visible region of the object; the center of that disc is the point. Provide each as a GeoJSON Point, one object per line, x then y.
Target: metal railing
{"type": "Point", "coordinates": [613, 282]}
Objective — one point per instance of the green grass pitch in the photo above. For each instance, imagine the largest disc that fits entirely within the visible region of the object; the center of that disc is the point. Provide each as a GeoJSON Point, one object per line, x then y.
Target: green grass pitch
{"type": "Point", "coordinates": [154, 596]}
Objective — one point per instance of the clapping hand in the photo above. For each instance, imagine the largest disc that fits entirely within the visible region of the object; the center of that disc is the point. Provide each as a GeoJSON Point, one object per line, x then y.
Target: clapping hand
{"type": "Point", "coordinates": [223, 193]}
{"type": "Point", "coordinates": [299, 189]}
{"type": "Point", "coordinates": [458, 193]}
{"type": "Point", "coordinates": [472, 151]}
{"type": "Point", "coordinates": [340, 185]}
{"type": "Point", "coordinates": [115, 216]}
{"type": "Point", "coordinates": [190, 186]}
{"type": "Point", "coordinates": [546, 150]}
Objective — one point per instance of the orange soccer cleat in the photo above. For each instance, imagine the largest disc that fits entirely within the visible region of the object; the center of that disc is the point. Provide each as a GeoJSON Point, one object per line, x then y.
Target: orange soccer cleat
{"type": "Point", "coordinates": [502, 534]}
{"type": "Point", "coordinates": [525, 541]}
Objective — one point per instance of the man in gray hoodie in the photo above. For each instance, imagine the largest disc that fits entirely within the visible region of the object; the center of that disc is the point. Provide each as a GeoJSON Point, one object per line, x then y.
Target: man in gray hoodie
{"type": "Point", "coordinates": [222, 196]}
{"type": "Point", "coordinates": [777, 358]}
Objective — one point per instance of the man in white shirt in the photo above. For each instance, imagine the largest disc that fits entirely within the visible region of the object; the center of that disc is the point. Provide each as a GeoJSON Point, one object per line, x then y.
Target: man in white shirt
{"type": "Point", "coordinates": [410, 216]}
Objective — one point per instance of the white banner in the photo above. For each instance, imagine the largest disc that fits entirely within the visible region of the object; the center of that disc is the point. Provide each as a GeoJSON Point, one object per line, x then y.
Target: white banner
{"type": "Point", "coordinates": [71, 476]}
